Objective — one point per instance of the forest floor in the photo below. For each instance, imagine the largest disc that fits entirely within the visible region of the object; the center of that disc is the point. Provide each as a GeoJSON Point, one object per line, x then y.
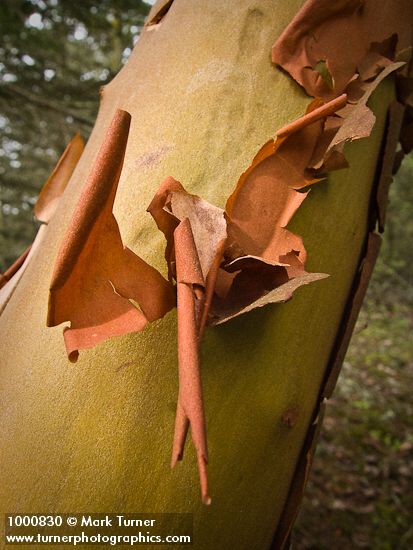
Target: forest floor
{"type": "Point", "coordinates": [360, 491]}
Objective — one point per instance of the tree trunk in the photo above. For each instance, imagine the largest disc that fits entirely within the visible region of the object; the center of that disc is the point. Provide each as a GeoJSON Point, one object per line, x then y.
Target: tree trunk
{"type": "Point", "coordinates": [96, 436]}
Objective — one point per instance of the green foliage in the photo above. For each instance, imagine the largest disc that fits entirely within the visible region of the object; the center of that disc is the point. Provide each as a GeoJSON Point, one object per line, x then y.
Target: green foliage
{"type": "Point", "coordinates": [394, 274]}
{"type": "Point", "coordinates": [54, 56]}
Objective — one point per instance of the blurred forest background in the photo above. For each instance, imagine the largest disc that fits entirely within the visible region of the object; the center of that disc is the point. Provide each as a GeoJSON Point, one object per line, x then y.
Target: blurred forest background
{"type": "Point", "coordinates": [54, 56]}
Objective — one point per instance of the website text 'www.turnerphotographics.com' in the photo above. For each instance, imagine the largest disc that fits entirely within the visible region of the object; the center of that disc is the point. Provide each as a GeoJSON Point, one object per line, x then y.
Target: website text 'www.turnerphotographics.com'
{"type": "Point", "coordinates": [98, 529]}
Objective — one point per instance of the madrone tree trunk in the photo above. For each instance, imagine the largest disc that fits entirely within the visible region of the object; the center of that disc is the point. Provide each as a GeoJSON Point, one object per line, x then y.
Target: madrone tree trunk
{"type": "Point", "coordinates": [96, 435]}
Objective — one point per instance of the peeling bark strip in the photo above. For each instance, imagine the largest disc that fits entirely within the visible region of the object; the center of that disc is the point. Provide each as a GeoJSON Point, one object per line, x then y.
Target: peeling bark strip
{"type": "Point", "coordinates": [14, 268]}
{"type": "Point", "coordinates": [54, 187]}
{"type": "Point", "coordinates": [6, 292]}
{"type": "Point", "coordinates": [339, 35]}
{"type": "Point", "coordinates": [318, 113]}
{"type": "Point", "coordinates": [95, 276]}
{"type": "Point", "coordinates": [191, 297]}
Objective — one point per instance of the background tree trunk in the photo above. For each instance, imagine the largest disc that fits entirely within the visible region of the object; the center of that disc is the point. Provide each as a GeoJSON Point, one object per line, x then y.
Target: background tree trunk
{"type": "Point", "coordinates": [96, 436]}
